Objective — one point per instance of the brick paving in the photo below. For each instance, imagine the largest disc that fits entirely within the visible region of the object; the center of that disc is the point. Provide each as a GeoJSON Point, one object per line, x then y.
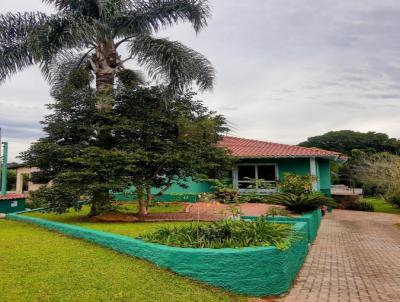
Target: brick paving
{"type": "Point", "coordinates": [356, 257]}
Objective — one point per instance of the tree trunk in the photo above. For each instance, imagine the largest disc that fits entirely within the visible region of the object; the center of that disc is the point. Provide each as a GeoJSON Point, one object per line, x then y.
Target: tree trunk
{"type": "Point", "coordinates": [142, 202]}
{"type": "Point", "coordinates": [101, 202]}
{"type": "Point", "coordinates": [149, 197]}
{"type": "Point", "coordinates": [105, 62]}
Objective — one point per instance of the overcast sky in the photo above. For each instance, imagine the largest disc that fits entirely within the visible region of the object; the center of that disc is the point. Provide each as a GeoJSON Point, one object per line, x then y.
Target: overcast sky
{"type": "Point", "coordinates": [286, 69]}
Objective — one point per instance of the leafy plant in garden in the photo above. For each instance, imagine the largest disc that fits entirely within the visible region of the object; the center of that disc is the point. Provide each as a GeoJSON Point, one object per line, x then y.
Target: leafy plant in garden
{"type": "Point", "coordinates": [223, 191]}
{"type": "Point", "coordinates": [296, 184]}
{"type": "Point", "coordinates": [380, 171]}
{"type": "Point", "coordinates": [226, 234]}
{"type": "Point", "coordinates": [393, 198]}
{"type": "Point", "coordinates": [277, 211]}
{"type": "Point", "coordinates": [361, 206]}
{"type": "Point", "coordinates": [302, 203]}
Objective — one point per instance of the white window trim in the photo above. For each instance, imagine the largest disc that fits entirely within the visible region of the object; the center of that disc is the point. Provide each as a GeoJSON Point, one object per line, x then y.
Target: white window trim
{"type": "Point", "coordinates": [235, 176]}
{"type": "Point", "coordinates": [314, 173]}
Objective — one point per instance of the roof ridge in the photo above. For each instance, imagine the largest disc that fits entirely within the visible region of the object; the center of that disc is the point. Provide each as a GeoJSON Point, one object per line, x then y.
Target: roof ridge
{"type": "Point", "coordinates": [281, 144]}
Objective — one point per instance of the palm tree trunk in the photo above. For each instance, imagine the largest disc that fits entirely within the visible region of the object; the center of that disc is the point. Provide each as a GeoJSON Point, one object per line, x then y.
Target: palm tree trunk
{"type": "Point", "coordinates": [106, 60]}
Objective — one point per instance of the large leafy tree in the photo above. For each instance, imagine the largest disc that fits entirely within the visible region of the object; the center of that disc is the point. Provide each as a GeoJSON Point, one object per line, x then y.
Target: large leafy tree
{"type": "Point", "coordinates": [154, 140]}
{"type": "Point", "coordinates": [174, 139]}
{"type": "Point", "coordinates": [89, 34]}
{"type": "Point", "coordinates": [345, 141]}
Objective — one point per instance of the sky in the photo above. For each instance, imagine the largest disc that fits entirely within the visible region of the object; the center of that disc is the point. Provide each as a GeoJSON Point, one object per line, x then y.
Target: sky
{"type": "Point", "coordinates": [286, 69]}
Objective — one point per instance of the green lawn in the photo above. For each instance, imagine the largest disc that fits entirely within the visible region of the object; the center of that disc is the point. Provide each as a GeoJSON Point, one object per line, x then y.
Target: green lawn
{"type": "Point", "coordinates": [157, 208]}
{"type": "Point", "coordinates": [382, 206]}
{"type": "Point", "coordinates": [40, 265]}
{"type": "Point", "coordinates": [124, 228]}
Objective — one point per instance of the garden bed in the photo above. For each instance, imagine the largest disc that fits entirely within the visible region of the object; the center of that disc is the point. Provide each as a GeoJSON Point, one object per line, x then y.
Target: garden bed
{"type": "Point", "coordinates": [256, 271]}
{"type": "Point", "coordinates": [40, 265]}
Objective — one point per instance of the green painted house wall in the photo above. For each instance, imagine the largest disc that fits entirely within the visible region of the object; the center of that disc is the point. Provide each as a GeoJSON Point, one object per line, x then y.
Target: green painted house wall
{"type": "Point", "coordinates": [300, 166]}
{"type": "Point", "coordinates": [175, 193]}
{"type": "Point", "coordinates": [324, 176]}
{"type": "Point", "coordinates": [12, 205]}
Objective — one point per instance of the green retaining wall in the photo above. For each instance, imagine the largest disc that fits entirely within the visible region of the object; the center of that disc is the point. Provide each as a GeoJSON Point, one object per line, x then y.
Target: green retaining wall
{"type": "Point", "coordinates": [258, 271]}
{"type": "Point", "coordinates": [12, 205]}
{"type": "Point", "coordinates": [312, 220]}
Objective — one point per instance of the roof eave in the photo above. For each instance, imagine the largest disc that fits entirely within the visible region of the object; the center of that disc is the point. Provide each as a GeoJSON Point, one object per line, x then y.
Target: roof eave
{"type": "Point", "coordinates": [329, 157]}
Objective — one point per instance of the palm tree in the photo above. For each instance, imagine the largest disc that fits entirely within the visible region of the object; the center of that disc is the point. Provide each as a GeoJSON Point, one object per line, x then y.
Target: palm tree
{"type": "Point", "coordinates": [88, 34]}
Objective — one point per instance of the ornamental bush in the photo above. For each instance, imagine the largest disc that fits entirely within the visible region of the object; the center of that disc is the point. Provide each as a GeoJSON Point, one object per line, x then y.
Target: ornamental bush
{"type": "Point", "coordinates": [296, 184]}
{"type": "Point", "coordinates": [302, 203]}
{"type": "Point", "coordinates": [225, 234]}
{"type": "Point", "coordinates": [361, 206]}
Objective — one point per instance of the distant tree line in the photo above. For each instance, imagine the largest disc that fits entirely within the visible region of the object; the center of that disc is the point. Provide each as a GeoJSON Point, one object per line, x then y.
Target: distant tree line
{"type": "Point", "coordinates": [345, 141]}
{"type": "Point", "coordinates": [373, 164]}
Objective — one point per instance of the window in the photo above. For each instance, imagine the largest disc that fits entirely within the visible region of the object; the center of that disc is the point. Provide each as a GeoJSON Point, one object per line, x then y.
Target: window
{"type": "Point", "coordinates": [261, 177]}
{"type": "Point", "coordinates": [246, 176]}
{"type": "Point", "coordinates": [267, 173]}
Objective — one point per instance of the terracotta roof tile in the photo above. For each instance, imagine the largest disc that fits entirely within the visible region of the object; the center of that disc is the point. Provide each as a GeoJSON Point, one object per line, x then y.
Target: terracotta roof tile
{"type": "Point", "coordinates": [250, 148]}
{"type": "Point", "coordinates": [11, 196]}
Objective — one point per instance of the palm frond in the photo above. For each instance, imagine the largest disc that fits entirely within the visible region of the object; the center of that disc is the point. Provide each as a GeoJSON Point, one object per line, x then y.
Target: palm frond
{"type": "Point", "coordinates": [84, 7]}
{"type": "Point", "coordinates": [173, 62]}
{"type": "Point", "coordinates": [96, 9]}
{"type": "Point", "coordinates": [58, 70]}
{"type": "Point", "coordinates": [15, 27]}
{"type": "Point", "coordinates": [14, 58]}
{"type": "Point", "coordinates": [15, 47]}
{"type": "Point", "coordinates": [151, 16]}
{"type": "Point", "coordinates": [30, 38]}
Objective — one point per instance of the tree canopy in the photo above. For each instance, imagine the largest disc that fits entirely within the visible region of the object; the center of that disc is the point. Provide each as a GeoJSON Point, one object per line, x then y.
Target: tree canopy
{"type": "Point", "coordinates": [345, 141]}
{"type": "Point", "coordinates": [152, 139]}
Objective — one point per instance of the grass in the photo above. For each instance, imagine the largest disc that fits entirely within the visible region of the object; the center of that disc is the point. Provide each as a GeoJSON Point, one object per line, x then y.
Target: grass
{"type": "Point", "coordinates": [124, 228]}
{"type": "Point", "coordinates": [132, 207]}
{"type": "Point", "coordinates": [382, 206]}
{"type": "Point", "coordinates": [40, 265]}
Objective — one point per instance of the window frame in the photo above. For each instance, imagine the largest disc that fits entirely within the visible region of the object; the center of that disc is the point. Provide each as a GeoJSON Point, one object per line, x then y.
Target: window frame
{"type": "Point", "coordinates": [258, 190]}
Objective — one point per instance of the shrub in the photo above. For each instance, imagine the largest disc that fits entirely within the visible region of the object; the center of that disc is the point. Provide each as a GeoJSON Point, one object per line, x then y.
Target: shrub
{"type": "Point", "coordinates": [277, 211]}
{"type": "Point", "coordinates": [225, 234]}
{"type": "Point", "coordinates": [361, 206]}
{"type": "Point", "coordinates": [223, 192]}
{"type": "Point", "coordinates": [255, 199]}
{"type": "Point", "coordinates": [226, 195]}
{"type": "Point", "coordinates": [394, 199]}
{"type": "Point", "coordinates": [296, 184]}
{"type": "Point", "coordinates": [303, 202]}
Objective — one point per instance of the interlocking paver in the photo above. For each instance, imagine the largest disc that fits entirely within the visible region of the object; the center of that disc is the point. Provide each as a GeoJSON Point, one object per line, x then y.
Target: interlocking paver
{"type": "Point", "coordinates": [356, 257]}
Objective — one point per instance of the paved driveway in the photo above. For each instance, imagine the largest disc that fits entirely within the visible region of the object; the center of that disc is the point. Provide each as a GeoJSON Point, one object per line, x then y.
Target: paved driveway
{"type": "Point", "coordinates": [356, 257]}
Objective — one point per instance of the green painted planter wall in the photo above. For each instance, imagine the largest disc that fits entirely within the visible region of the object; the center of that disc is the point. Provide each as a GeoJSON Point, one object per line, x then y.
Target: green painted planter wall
{"type": "Point", "coordinates": [312, 220]}
{"type": "Point", "coordinates": [259, 271]}
{"type": "Point", "coordinates": [12, 205]}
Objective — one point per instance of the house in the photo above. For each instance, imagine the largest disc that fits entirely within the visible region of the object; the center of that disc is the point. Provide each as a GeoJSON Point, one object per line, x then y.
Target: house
{"type": "Point", "coordinates": [267, 163]}
{"type": "Point", "coordinates": [260, 164]}
{"type": "Point", "coordinates": [23, 172]}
